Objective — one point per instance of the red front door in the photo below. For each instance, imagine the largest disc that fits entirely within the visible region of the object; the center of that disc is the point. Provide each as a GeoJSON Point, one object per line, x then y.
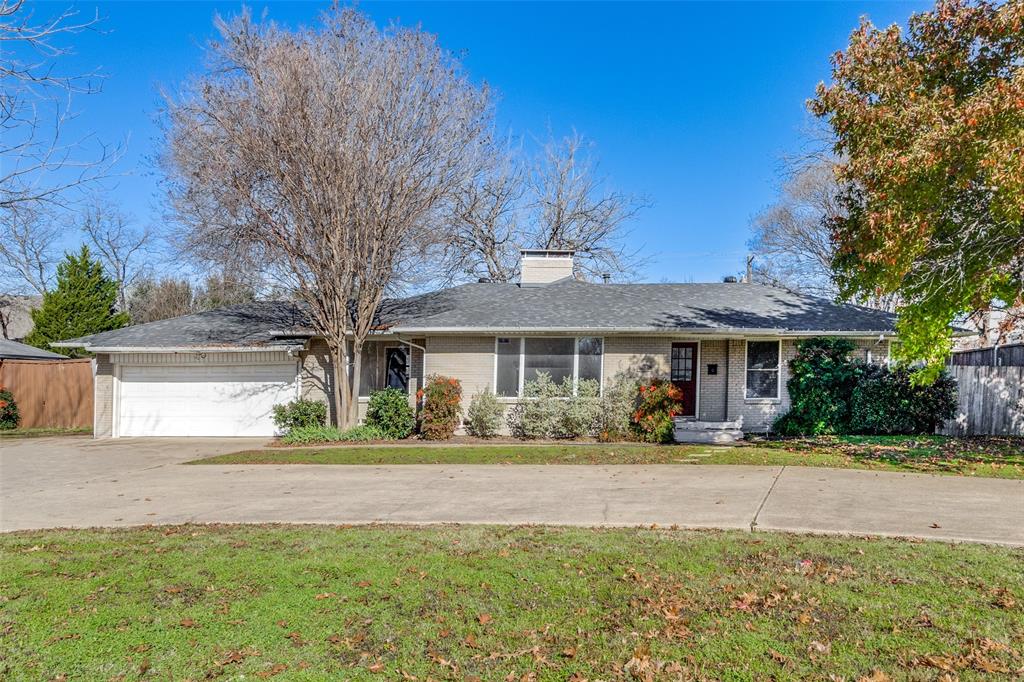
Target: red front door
{"type": "Point", "coordinates": [684, 375]}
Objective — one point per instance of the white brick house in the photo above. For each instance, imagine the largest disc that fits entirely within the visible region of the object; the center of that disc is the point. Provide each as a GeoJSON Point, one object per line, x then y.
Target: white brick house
{"type": "Point", "coordinates": [725, 345]}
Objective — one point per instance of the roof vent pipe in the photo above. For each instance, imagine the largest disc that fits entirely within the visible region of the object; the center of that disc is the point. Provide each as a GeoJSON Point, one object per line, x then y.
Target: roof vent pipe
{"type": "Point", "coordinates": [606, 277]}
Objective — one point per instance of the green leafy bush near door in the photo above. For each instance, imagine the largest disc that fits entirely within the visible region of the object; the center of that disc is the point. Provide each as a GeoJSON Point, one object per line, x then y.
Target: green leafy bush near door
{"type": "Point", "coordinates": [831, 393]}
{"type": "Point", "coordinates": [389, 412]}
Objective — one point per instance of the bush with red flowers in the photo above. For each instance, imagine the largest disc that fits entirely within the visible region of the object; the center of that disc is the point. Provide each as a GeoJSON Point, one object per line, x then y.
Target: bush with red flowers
{"type": "Point", "coordinates": [9, 416]}
{"type": "Point", "coordinates": [442, 407]}
{"type": "Point", "coordinates": [657, 403]}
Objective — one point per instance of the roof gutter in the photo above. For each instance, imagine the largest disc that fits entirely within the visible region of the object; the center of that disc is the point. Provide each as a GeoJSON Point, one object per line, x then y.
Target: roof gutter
{"type": "Point", "coordinates": [652, 331]}
{"type": "Point", "coordinates": [178, 349]}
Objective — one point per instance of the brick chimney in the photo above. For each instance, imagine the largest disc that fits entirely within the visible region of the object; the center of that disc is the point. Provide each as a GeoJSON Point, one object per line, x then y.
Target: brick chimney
{"type": "Point", "coordinates": [544, 266]}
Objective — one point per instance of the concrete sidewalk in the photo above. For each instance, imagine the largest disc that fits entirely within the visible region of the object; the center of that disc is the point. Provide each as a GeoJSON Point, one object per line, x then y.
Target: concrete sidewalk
{"type": "Point", "coordinates": [48, 483]}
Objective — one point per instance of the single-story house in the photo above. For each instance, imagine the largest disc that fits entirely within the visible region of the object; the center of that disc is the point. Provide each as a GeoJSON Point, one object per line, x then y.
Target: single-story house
{"type": "Point", "coordinates": [725, 345]}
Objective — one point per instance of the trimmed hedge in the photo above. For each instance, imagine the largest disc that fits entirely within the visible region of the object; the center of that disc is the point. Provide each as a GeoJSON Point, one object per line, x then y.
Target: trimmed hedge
{"type": "Point", "coordinates": [390, 413]}
{"type": "Point", "coordinates": [887, 401]}
{"type": "Point", "coordinates": [831, 393]}
{"type": "Point", "coordinates": [300, 414]}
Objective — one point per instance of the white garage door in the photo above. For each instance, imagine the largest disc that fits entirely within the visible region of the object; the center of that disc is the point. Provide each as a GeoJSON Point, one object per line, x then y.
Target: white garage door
{"type": "Point", "coordinates": [203, 400]}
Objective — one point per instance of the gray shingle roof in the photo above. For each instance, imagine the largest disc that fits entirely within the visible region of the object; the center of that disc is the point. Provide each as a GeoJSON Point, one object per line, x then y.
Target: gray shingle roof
{"type": "Point", "coordinates": [566, 305]}
{"type": "Point", "coordinates": [12, 350]}
{"type": "Point", "coordinates": [246, 325]}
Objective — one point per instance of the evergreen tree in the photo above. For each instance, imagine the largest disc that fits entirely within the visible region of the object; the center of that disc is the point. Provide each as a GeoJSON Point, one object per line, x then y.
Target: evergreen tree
{"type": "Point", "coordinates": [83, 302]}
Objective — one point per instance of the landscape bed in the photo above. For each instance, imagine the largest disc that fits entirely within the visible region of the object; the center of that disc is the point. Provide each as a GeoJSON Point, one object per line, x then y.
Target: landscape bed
{"type": "Point", "coordinates": [986, 457]}
{"type": "Point", "coordinates": [193, 602]}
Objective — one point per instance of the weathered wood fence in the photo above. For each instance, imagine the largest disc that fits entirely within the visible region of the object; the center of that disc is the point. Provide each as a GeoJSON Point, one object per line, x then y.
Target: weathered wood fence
{"type": "Point", "coordinates": [50, 393]}
{"type": "Point", "coordinates": [991, 401]}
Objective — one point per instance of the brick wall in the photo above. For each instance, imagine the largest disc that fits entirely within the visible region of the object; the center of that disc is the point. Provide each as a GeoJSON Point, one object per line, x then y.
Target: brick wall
{"type": "Point", "coordinates": [103, 422]}
{"type": "Point", "coordinates": [713, 387]}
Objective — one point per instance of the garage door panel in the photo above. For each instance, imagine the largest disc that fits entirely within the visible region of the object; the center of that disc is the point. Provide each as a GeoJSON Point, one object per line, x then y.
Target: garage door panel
{"type": "Point", "coordinates": [225, 400]}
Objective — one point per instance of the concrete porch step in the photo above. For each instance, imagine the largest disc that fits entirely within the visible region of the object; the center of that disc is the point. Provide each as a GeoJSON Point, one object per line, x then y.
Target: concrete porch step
{"type": "Point", "coordinates": [698, 431]}
{"type": "Point", "coordinates": [687, 424]}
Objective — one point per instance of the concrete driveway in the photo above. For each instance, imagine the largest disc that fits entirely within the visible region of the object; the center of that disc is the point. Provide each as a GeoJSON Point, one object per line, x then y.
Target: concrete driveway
{"type": "Point", "coordinates": [79, 482]}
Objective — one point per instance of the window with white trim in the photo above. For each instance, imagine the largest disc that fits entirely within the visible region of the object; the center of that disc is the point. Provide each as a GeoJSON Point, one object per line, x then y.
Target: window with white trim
{"type": "Point", "coordinates": [519, 360]}
{"type": "Point", "coordinates": [763, 359]}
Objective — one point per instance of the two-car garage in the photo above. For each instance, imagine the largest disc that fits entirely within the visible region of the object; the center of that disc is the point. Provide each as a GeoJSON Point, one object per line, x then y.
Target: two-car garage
{"type": "Point", "coordinates": [201, 394]}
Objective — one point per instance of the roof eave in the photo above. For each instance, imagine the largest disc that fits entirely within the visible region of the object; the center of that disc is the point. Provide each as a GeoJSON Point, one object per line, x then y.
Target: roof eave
{"type": "Point", "coordinates": [178, 349]}
{"type": "Point", "coordinates": [658, 331]}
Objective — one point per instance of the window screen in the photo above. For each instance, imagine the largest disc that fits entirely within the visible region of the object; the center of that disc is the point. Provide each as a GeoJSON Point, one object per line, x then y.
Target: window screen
{"type": "Point", "coordinates": [508, 367]}
{"type": "Point", "coordinates": [553, 356]}
{"type": "Point", "coordinates": [762, 369]}
{"type": "Point", "coordinates": [590, 350]}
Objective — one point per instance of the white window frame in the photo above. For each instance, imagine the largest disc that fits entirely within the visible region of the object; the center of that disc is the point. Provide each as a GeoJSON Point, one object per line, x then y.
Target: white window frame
{"type": "Point", "coordinates": [522, 364]}
{"type": "Point", "coordinates": [778, 372]}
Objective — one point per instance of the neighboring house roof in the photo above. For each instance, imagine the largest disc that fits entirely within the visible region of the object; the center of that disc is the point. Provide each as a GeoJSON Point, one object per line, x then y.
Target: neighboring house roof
{"type": "Point", "coordinates": [564, 306]}
{"type": "Point", "coordinates": [12, 350]}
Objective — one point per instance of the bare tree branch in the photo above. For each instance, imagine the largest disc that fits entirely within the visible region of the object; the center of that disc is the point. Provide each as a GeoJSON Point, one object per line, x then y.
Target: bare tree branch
{"type": "Point", "coordinates": [37, 163]}
{"type": "Point", "coordinates": [118, 244]}
{"type": "Point", "coordinates": [28, 249]}
{"type": "Point", "coordinates": [572, 210]}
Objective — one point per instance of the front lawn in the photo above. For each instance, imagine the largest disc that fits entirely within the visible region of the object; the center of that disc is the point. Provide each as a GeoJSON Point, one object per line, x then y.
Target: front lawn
{"type": "Point", "coordinates": [484, 603]}
{"type": "Point", "coordinates": [991, 457]}
{"type": "Point", "coordinates": [41, 432]}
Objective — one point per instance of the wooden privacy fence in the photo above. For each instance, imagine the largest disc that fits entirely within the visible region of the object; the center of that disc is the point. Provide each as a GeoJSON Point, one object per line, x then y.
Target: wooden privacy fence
{"type": "Point", "coordinates": [50, 393]}
{"type": "Point", "coordinates": [991, 401]}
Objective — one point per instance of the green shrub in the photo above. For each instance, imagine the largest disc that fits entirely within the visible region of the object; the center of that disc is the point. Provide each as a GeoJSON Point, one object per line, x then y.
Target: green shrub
{"type": "Point", "coordinates": [581, 413]}
{"type": "Point", "coordinates": [821, 383]}
{"type": "Point", "coordinates": [550, 410]}
{"type": "Point", "coordinates": [618, 402]}
{"type": "Point", "coordinates": [300, 414]}
{"type": "Point", "coordinates": [657, 403]}
{"type": "Point", "coordinates": [483, 417]}
{"type": "Point", "coordinates": [442, 407]}
{"type": "Point", "coordinates": [887, 401]}
{"type": "Point", "coordinates": [310, 435]}
{"type": "Point", "coordinates": [389, 411]}
{"type": "Point", "coordinates": [9, 415]}
{"type": "Point", "coordinates": [539, 414]}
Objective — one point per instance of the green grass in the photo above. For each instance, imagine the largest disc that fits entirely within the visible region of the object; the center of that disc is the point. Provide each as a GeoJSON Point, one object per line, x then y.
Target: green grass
{"type": "Point", "coordinates": [40, 432]}
{"type": "Point", "coordinates": [452, 603]}
{"type": "Point", "coordinates": [988, 458]}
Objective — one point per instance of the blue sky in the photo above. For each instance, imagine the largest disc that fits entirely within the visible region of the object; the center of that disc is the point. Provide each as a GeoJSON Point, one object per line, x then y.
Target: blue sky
{"type": "Point", "coordinates": [689, 104]}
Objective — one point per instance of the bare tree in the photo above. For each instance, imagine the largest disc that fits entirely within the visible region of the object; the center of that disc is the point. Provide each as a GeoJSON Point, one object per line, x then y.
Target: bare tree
{"type": "Point", "coordinates": [573, 210]}
{"type": "Point", "coordinates": [223, 289]}
{"type": "Point", "coordinates": [555, 201]}
{"type": "Point", "coordinates": [118, 244]}
{"type": "Point", "coordinates": [333, 152]}
{"type": "Point", "coordinates": [28, 248]}
{"type": "Point", "coordinates": [41, 166]}
{"type": "Point", "coordinates": [791, 240]}
{"type": "Point", "coordinates": [150, 300]}
{"type": "Point", "coordinates": [487, 221]}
